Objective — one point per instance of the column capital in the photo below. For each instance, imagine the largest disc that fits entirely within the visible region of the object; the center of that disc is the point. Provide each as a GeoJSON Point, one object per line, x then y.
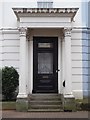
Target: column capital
{"type": "Point", "coordinates": [67, 32]}
{"type": "Point", "coordinates": [22, 31]}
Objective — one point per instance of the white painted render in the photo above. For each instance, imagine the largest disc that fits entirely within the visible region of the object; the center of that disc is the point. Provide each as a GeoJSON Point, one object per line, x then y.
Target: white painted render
{"type": "Point", "coordinates": [10, 41]}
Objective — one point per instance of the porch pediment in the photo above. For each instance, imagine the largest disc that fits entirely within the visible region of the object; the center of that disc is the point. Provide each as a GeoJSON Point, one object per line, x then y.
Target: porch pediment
{"type": "Point", "coordinates": [45, 17]}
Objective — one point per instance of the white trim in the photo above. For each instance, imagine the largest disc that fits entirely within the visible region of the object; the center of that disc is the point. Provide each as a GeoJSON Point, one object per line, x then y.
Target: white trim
{"type": "Point", "coordinates": [59, 65]}
{"type": "Point", "coordinates": [63, 64]}
{"type": "Point", "coordinates": [27, 75]}
{"type": "Point", "coordinates": [22, 95]}
{"type": "Point", "coordinates": [30, 80]}
{"type": "Point", "coordinates": [68, 96]}
{"type": "Point", "coordinates": [10, 31]}
{"type": "Point", "coordinates": [42, 33]}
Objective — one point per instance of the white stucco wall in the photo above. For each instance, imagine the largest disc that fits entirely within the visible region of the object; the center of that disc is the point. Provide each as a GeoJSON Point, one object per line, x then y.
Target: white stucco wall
{"type": "Point", "coordinates": [10, 48]}
{"type": "Point", "coordinates": [10, 37]}
{"type": "Point", "coordinates": [8, 5]}
{"type": "Point", "coordinates": [86, 46]}
{"type": "Point", "coordinates": [89, 47]}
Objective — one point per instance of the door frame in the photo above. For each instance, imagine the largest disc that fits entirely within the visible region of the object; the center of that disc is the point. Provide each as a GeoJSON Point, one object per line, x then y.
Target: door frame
{"type": "Point", "coordinates": [55, 61]}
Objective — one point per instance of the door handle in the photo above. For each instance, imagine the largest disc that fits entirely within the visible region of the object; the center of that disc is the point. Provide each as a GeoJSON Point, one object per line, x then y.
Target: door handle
{"type": "Point", "coordinates": [64, 83]}
{"type": "Point", "coordinates": [57, 71]}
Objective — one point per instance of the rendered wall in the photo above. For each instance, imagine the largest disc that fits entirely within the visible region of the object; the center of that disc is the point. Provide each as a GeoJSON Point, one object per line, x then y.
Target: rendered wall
{"type": "Point", "coordinates": [10, 38]}
{"type": "Point", "coordinates": [88, 47]}
{"type": "Point", "coordinates": [85, 46]}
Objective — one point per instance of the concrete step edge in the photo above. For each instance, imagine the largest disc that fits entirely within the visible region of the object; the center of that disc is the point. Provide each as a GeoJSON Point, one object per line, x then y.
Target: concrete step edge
{"type": "Point", "coordinates": [45, 110]}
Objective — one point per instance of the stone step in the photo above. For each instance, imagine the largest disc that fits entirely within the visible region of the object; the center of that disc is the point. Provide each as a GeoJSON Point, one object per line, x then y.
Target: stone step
{"type": "Point", "coordinates": [44, 97]}
{"type": "Point", "coordinates": [45, 107]}
{"type": "Point", "coordinates": [47, 102]}
{"type": "Point", "coordinates": [45, 110]}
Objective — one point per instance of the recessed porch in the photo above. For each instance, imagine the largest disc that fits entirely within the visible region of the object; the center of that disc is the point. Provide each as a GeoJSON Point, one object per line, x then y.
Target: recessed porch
{"type": "Point", "coordinates": [45, 23]}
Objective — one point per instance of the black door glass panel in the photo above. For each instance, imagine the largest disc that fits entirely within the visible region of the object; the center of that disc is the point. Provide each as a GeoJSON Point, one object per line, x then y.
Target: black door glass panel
{"type": "Point", "coordinates": [45, 63]}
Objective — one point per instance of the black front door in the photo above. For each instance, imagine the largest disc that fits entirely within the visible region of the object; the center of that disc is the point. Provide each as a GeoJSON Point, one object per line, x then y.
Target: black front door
{"type": "Point", "coordinates": [45, 64]}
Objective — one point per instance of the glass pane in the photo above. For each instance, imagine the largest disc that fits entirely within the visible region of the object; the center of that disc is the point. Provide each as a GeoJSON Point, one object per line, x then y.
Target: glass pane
{"type": "Point", "coordinates": [45, 63]}
{"type": "Point", "coordinates": [47, 4]}
{"type": "Point", "coordinates": [45, 45]}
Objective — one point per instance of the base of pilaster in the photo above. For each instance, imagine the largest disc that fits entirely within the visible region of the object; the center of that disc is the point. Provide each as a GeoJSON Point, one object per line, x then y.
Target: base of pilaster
{"type": "Point", "coordinates": [68, 102]}
{"type": "Point", "coordinates": [22, 104]}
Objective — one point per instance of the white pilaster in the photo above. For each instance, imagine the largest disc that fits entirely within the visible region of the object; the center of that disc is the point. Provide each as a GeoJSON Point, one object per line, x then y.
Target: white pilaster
{"type": "Point", "coordinates": [31, 66]}
{"type": "Point", "coordinates": [63, 64]}
{"type": "Point", "coordinates": [22, 75]}
{"type": "Point", "coordinates": [27, 74]}
{"type": "Point", "coordinates": [68, 82]}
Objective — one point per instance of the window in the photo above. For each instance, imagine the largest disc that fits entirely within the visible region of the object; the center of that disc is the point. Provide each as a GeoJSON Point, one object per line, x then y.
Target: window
{"type": "Point", "coordinates": [45, 45]}
{"type": "Point", "coordinates": [45, 63]}
{"type": "Point", "coordinates": [45, 4]}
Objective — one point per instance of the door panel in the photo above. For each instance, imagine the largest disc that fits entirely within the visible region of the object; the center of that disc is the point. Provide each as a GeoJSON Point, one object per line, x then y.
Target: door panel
{"type": "Point", "coordinates": [45, 65]}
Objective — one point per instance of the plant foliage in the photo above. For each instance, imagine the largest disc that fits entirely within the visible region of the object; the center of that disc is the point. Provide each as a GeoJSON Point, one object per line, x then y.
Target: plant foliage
{"type": "Point", "coordinates": [9, 82]}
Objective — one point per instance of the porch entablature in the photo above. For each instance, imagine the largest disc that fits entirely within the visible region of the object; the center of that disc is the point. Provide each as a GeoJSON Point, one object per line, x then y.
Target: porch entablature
{"type": "Point", "coordinates": [45, 17]}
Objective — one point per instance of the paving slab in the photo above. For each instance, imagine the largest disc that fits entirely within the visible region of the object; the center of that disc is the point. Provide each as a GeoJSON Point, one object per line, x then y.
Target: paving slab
{"type": "Point", "coordinates": [15, 114]}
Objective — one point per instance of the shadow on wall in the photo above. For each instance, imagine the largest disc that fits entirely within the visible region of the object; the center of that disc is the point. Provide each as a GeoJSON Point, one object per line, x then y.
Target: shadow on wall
{"type": "Point", "coordinates": [86, 48]}
{"type": "Point", "coordinates": [89, 47]}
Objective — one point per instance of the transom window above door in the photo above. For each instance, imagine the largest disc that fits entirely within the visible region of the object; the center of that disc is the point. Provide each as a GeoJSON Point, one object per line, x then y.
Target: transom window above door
{"type": "Point", "coordinates": [45, 45]}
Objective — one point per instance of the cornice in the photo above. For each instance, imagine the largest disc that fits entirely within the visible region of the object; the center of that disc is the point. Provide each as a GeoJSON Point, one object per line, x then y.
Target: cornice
{"type": "Point", "coordinates": [74, 29]}
{"type": "Point", "coordinates": [51, 11]}
{"type": "Point", "coordinates": [10, 31]}
{"type": "Point", "coordinates": [45, 10]}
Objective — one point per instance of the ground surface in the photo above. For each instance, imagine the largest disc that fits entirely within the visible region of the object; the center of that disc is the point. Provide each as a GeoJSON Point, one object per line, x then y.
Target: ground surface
{"type": "Point", "coordinates": [14, 114]}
